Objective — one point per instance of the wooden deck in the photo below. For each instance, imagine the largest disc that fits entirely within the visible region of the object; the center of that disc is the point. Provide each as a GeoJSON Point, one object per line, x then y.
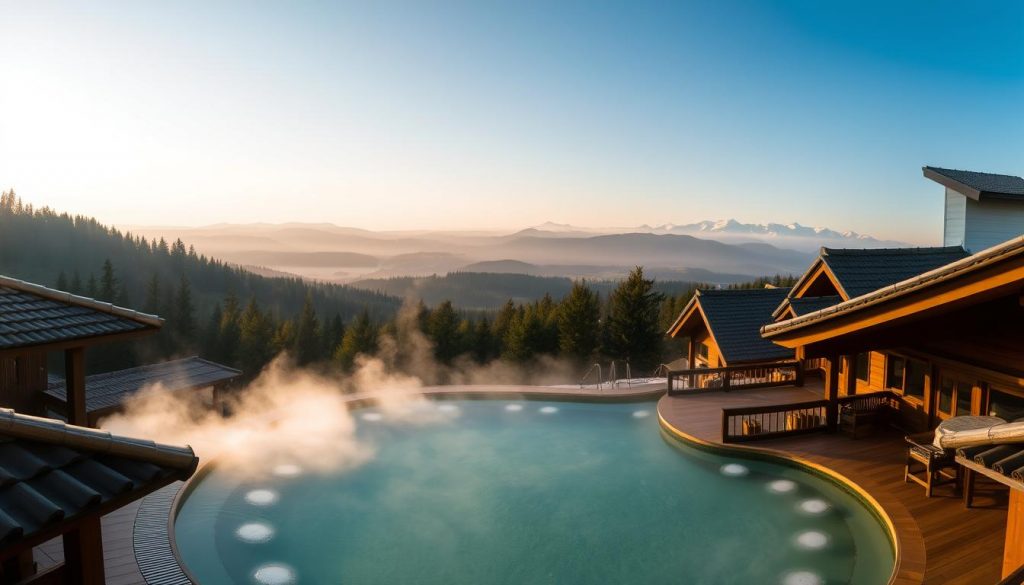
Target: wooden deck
{"type": "Point", "coordinates": [940, 541]}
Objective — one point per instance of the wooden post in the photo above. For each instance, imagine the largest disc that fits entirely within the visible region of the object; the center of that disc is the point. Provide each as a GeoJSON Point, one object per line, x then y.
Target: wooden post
{"type": "Point", "coordinates": [832, 392]}
{"type": "Point", "coordinates": [799, 374]}
{"type": "Point", "coordinates": [83, 553]}
{"type": "Point", "coordinates": [691, 355]}
{"type": "Point", "coordinates": [74, 379]}
{"type": "Point", "coordinates": [851, 374]}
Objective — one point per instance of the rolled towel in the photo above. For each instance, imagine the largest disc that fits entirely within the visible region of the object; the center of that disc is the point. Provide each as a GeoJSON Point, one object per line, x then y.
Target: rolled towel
{"type": "Point", "coordinates": [970, 452]}
{"type": "Point", "coordinates": [1018, 474]}
{"type": "Point", "coordinates": [994, 454]}
{"type": "Point", "coordinates": [1008, 464]}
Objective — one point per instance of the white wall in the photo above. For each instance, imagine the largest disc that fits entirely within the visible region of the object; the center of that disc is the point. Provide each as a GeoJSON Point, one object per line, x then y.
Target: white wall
{"type": "Point", "coordinates": [955, 218]}
{"type": "Point", "coordinates": [990, 222]}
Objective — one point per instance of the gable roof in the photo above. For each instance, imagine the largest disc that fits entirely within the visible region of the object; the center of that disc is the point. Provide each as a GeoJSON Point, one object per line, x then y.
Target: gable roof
{"type": "Point", "coordinates": [810, 304]}
{"type": "Point", "coordinates": [32, 315]}
{"type": "Point", "coordinates": [735, 318]}
{"type": "Point", "coordinates": [978, 185]}
{"type": "Point", "coordinates": [105, 392]}
{"type": "Point", "coordinates": [52, 474]}
{"type": "Point", "coordinates": [966, 268]}
{"type": "Point", "coordinates": [860, 271]}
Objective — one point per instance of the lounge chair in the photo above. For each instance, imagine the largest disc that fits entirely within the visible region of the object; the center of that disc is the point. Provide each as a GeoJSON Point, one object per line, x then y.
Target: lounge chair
{"type": "Point", "coordinates": [935, 463]}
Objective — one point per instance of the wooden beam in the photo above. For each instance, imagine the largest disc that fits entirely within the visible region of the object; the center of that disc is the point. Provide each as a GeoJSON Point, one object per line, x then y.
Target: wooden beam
{"type": "Point", "coordinates": [832, 391]}
{"type": "Point", "coordinates": [74, 379]}
{"type": "Point", "coordinates": [83, 553]}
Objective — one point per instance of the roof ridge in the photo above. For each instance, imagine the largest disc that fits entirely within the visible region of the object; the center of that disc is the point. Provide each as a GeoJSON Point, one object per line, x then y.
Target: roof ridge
{"type": "Point", "coordinates": [972, 172]}
{"type": "Point", "coordinates": [72, 299]}
{"type": "Point", "coordinates": [54, 431]}
{"type": "Point", "coordinates": [906, 250]}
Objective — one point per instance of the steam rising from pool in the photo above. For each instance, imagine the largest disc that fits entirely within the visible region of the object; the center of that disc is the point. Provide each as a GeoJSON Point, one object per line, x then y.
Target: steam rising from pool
{"type": "Point", "coordinates": [300, 417]}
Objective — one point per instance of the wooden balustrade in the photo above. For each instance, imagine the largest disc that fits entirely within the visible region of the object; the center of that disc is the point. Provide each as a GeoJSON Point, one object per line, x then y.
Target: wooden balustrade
{"type": "Point", "coordinates": [735, 377]}
{"type": "Point", "coordinates": [765, 422]}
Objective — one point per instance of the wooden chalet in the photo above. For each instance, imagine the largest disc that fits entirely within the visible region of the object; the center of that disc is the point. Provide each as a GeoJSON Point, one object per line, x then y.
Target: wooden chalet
{"type": "Point", "coordinates": [57, 480]}
{"type": "Point", "coordinates": [725, 347]}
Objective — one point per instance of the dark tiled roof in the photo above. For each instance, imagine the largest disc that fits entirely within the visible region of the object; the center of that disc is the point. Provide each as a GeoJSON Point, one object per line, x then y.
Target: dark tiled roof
{"type": "Point", "coordinates": [811, 304]}
{"type": "Point", "coordinates": [982, 184]}
{"type": "Point", "coordinates": [35, 315]}
{"type": "Point", "coordinates": [736, 317]}
{"type": "Point", "coordinates": [863, 271]}
{"type": "Point", "coordinates": [109, 390]}
{"type": "Point", "coordinates": [51, 473]}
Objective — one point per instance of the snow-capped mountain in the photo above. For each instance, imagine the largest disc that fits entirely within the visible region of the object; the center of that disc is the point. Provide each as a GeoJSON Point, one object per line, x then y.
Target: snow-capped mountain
{"type": "Point", "coordinates": [791, 235]}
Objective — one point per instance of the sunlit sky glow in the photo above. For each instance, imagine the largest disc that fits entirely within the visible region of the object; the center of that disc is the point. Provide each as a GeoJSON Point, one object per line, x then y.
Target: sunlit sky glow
{"type": "Point", "coordinates": [484, 115]}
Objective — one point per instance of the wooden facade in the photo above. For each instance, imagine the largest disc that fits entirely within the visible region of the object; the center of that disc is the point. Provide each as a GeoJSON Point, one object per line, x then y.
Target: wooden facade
{"type": "Point", "coordinates": [948, 343]}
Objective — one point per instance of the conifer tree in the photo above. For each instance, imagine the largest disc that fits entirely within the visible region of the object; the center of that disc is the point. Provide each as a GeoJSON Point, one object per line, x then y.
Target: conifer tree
{"type": "Point", "coordinates": [307, 335]}
{"type": "Point", "coordinates": [360, 338]}
{"type": "Point", "coordinates": [255, 347]}
{"type": "Point", "coordinates": [579, 322]}
{"type": "Point", "coordinates": [633, 331]}
{"type": "Point", "coordinates": [184, 312]}
{"type": "Point", "coordinates": [442, 328]}
{"type": "Point", "coordinates": [108, 283]}
{"type": "Point", "coordinates": [62, 281]}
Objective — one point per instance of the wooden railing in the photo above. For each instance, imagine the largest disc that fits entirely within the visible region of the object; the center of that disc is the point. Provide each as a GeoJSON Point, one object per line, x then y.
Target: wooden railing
{"type": "Point", "coordinates": [734, 377]}
{"type": "Point", "coordinates": [765, 422]}
{"type": "Point", "coordinates": [753, 423]}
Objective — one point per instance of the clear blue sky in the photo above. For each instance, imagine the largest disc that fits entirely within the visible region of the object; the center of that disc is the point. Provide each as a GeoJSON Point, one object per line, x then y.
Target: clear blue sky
{"type": "Point", "coordinates": [503, 114]}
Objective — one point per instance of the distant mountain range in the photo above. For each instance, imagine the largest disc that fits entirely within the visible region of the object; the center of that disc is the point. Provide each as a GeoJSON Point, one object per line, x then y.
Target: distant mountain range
{"type": "Point", "coordinates": [792, 235]}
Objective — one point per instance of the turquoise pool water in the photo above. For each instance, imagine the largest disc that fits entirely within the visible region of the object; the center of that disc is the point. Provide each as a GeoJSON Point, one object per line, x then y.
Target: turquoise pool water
{"type": "Point", "coordinates": [531, 492]}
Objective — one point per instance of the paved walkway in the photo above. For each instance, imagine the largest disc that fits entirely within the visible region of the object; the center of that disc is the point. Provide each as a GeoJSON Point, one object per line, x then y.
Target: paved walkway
{"type": "Point", "coordinates": [940, 541]}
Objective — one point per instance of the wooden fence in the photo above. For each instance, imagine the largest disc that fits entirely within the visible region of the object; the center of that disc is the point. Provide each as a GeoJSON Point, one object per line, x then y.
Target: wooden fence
{"type": "Point", "coordinates": [734, 377]}
{"type": "Point", "coordinates": [754, 423]}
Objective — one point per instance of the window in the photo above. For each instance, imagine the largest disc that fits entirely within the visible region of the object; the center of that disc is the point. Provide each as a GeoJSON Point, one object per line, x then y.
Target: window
{"type": "Point", "coordinates": [894, 372]}
{"type": "Point", "coordinates": [1007, 406]}
{"type": "Point", "coordinates": [946, 389]}
{"type": "Point", "coordinates": [913, 379]}
{"type": "Point", "coordinates": [702, 350]}
{"type": "Point", "coordinates": [863, 365]}
{"type": "Point", "coordinates": [964, 391]}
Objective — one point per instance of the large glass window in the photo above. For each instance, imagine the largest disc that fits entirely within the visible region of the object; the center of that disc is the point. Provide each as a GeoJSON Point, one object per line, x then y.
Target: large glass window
{"type": "Point", "coordinates": [964, 391]}
{"type": "Point", "coordinates": [1006, 406]}
{"type": "Point", "coordinates": [894, 372]}
{"type": "Point", "coordinates": [913, 384]}
{"type": "Point", "coordinates": [863, 366]}
{"type": "Point", "coordinates": [946, 389]}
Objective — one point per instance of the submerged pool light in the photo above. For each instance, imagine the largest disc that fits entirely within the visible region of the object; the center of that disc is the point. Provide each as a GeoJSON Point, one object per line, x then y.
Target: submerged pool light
{"type": "Point", "coordinates": [513, 407]}
{"type": "Point", "coordinates": [734, 470]}
{"type": "Point", "coordinates": [255, 532]}
{"type": "Point", "coordinates": [287, 470]}
{"type": "Point", "coordinates": [814, 506]}
{"type": "Point", "coordinates": [274, 574]}
{"type": "Point", "coordinates": [781, 486]}
{"type": "Point", "coordinates": [802, 578]}
{"type": "Point", "coordinates": [641, 413]}
{"type": "Point", "coordinates": [261, 497]}
{"type": "Point", "coordinates": [812, 540]}
{"type": "Point", "coordinates": [548, 409]}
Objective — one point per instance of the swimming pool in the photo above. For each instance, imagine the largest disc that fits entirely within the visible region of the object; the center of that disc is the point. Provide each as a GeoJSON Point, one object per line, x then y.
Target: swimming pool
{"type": "Point", "coordinates": [531, 492]}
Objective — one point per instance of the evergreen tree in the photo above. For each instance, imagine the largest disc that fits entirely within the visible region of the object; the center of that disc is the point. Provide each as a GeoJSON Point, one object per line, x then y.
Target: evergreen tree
{"type": "Point", "coordinates": [333, 331]}
{"type": "Point", "coordinates": [184, 312]}
{"type": "Point", "coordinates": [91, 290]}
{"type": "Point", "coordinates": [76, 284]}
{"type": "Point", "coordinates": [108, 283]}
{"type": "Point", "coordinates": [210, 345]}
{"type": "Point", "coordinates": [62, 281]}
{"type": "Point", "coordinates": [442, 328]}
{"type": "Point", "coordinates": [229, 330]}
{"type": "Point", "coordinates": [579, 322]}
{"type": "Point", "coordinates": [255, 347]}
{"type": "Point", "coordinates": [502, 322]}
{"type": "Point", "coordinates": [483, 345]}
{"type": "Point", "coordinates": [307, 335]}
{"type": "Point", "coordinates": [524, 335]}
{"type": "Point", "coordinates": [360, 338]}
{"type": "Point", "coordinates": [152, 304]}
{"type": "Point", "coordinates": [633, 331]}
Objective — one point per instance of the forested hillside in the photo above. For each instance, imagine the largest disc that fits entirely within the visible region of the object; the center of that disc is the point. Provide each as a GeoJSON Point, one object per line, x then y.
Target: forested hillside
{"type": "Point", "coordinates": [233, 316]}
{"type": "Point", "coordinates": [490, 290]}
{"type": "Point", "coordinates": [80, 255]}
